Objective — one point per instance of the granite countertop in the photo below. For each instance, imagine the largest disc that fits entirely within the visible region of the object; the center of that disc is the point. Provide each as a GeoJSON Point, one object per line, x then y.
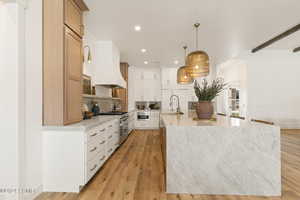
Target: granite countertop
{"type": "Point", "coordinates": [85, 124]}
{"type": "Point", "coordinates": [188, 120]}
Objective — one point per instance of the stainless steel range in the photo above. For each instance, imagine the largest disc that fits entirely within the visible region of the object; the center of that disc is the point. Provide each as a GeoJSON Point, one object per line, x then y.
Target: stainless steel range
{"type": "Point", "coordinates": [124, 132]}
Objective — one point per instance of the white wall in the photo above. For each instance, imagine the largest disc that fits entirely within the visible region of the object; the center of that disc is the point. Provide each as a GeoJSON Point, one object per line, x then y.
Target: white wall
{"type": "Point", "coordinates": [21, 104]}
{"type": "Point", "coordinates": [131, 86]}
{"type": "Point", "coordinates": [12, 101]}
{"type": "Point", "coordinates": [89, 39]}
{"type": "Point", "coordinates": [234, 73]}
{"type": "Point", "coordinates": [270, 85]}
{"type": "Point", "coordinates": [273, 87]}
{"type": "Point", "coordinates": [33, 98]}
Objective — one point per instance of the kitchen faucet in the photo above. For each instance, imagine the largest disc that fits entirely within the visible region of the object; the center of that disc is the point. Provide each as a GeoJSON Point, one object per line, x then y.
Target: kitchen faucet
{"type": "Point", "coordinates": [178, 103]}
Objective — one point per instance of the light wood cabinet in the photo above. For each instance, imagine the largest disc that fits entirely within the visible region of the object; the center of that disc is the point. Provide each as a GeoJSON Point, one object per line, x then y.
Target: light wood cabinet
{"type": "Point", "coordinates": [73, 77]}
{"type": "Point", "coordinates": [73, 17]}
{"type": "Point", "coordinates": [63, 62]}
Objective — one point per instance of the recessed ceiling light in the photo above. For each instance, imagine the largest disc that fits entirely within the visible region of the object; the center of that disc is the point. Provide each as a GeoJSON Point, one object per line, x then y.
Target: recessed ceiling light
{"type": "Point", "coordinates": [143, 50]}
{"type": "Point", "coordinates": [146, 62]}
{"type": "Point", "coordinates": [137, 28]}
{"type": "Point", "coordinates": [176, 62]}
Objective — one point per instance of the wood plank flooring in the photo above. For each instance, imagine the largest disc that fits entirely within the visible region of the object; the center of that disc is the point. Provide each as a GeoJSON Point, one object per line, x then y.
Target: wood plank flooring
{"type": "Point", "coordinates": [135, 172]}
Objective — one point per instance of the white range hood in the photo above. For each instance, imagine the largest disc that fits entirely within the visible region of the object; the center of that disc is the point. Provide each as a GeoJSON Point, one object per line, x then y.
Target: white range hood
{"type": "Point", "coordinates": [107, 65]}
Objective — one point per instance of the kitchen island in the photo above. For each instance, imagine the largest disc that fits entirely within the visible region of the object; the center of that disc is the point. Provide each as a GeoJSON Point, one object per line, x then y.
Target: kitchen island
{"type": "Point", "coordinates": [225, 156]}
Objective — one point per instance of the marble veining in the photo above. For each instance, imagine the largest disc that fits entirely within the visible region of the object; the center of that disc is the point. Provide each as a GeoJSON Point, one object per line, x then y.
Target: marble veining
{"type": "Point", "coordinates": [222, 159]}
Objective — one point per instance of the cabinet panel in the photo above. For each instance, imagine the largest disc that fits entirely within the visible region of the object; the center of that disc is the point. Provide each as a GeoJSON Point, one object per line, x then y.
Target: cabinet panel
{"type": "Point", "coordinates": [63, 60]}
{"type": "Point", "coordinates": [73, 74]}
{"type": "Point", "coordinates": [73, 17]}
{"type": "Point", "coordinates": [74, 102]}
{"type": "Point", "coordinates": [73, 57]}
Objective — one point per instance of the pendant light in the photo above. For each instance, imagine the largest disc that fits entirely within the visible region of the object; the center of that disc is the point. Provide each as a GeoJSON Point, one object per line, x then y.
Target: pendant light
{"type": "Point", "coordinates": [183, 76]}
{"type": "Point", "coordinates": [89, 57]}
{"type": "Point", "coordinates": [198, 61]}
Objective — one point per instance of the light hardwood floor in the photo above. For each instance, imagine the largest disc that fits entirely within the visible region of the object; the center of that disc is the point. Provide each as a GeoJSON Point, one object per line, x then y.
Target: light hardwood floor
{"type": "Point", "coordinates": [135, 172]}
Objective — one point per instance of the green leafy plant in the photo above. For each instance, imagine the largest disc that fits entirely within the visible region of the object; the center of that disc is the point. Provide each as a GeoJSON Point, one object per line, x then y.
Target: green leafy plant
{"type": "Point", "coordinates": [206, 91]}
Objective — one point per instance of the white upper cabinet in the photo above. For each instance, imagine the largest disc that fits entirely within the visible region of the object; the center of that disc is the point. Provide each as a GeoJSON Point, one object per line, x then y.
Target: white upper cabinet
{"type": "Point", "coordinates": [169, 80]}
{"type": "Point", "coordinates": [107, 65]}
{"type": "Point", "coordinates": [147, 84]}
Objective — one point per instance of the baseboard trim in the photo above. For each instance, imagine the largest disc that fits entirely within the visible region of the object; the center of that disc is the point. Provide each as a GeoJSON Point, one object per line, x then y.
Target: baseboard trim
{"type": "Point", "coordinates": [31, 196]}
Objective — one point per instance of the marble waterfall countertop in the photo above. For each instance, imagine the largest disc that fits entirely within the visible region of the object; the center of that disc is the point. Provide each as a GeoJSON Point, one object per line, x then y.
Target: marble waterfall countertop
{"type": "Point", "coordinates": [188, 120]}
{"type": "Point", "coordinates": [222, 157]}
{"type": "Point", "coordinates": [85, 124]}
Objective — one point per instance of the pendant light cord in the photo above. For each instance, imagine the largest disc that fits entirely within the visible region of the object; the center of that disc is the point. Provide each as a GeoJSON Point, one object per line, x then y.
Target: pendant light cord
{"type": "Point", "coordinates": [197, 31]}
{"type": "Point", "coordinates": [185, 48]}
{"type": "Point", "coordinates": [197, 39]}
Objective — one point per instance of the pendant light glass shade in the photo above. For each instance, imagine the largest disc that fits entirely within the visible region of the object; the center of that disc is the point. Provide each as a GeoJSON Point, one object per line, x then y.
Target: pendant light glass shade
{"type": "Point", "coordinates": [198, 61]}
{"type": "Point", "coordinates": [183, 76]}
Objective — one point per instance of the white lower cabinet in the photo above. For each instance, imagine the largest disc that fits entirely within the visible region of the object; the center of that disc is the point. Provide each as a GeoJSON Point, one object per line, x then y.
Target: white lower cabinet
{"type": "Point", "coordinates": [152, 123]}
{"type": "Point", "coordinates": [101, 146]}
{"type": "Point", "coordinates": [72, 157]}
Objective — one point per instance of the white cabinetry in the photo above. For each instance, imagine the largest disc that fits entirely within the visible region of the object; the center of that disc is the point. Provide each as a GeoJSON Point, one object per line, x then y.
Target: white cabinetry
{"type": "Point", "coordinates": [72, 156]}
{"type": "Point", "coordinates": [147, 84]}
{"type": "Point", "coordinates": [170, 87]}
{"type": "Point", "coordinates": [152, 123]}
{"type": "Point", "coordinates": [169, 80]}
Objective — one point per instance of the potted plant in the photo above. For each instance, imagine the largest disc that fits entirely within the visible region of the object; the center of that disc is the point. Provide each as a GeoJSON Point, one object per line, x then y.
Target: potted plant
{"type": "Point", "coordinates": [206, 93]}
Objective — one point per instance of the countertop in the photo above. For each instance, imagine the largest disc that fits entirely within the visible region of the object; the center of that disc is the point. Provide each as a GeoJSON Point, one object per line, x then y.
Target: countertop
{"type": "Point", "coordinates": [228, 156]}
{"type": "Point", "coordinates": [85, 124]}
{"type": "Point", "coordinates": [188, 120]}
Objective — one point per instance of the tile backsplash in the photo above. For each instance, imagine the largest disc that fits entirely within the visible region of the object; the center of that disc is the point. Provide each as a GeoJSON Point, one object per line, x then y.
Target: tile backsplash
{"type": "Point", "coordinates": [106, 105]}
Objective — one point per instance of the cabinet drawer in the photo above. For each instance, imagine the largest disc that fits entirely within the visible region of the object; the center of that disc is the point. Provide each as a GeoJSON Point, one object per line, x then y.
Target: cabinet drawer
{"type": "Point", "coordinates": [110, 149]}
{"type": "Point", "coordinates": [92, 149]}
{"type": "Point", "coordinates": [115, 142]}
{"type": "Point", "coordinates": [73, 17]}
{"type": "Point", "coordinates": [101, 158]}
{"type": "Point", "coordinates": [110, 137]}
{"type": "Point", "coordinates": [92, 168]}
{"type": "Point", "coordinates": [92, 135]}
{"type": "Point", "coordinates": [102, 142]}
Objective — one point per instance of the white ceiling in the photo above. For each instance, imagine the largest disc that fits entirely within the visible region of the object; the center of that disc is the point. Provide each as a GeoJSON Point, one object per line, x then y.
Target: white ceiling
{"type": "Point", "coordinates": [227, 27]}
